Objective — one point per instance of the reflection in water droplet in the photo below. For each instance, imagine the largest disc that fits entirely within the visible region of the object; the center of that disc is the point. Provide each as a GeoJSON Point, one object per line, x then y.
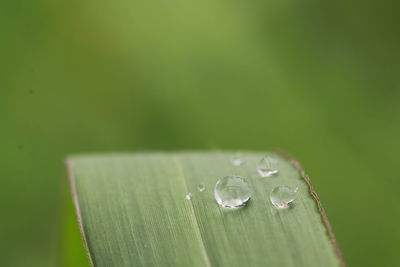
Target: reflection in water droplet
{"type": "Point", "coordinates": [232, 191]}
{"type": "Point", "coordinates": [201, 188]}
{"type": "Point", "coordinates": [267, 167]}
{"type": "Point", "coordinates": [283, 196]}
{"type": "Point", "coordinates": [189, 196]}
{"type": "Point", "coordinates": [237, 159]}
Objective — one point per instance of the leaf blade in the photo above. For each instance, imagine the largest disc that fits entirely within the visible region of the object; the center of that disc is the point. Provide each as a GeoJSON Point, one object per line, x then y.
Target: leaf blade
{"type": "Point", "coordinates": [134, 213]}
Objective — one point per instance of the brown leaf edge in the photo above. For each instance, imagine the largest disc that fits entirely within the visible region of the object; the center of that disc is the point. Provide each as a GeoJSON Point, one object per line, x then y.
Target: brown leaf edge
{"type": "Point", "coordinates": [75, 200]}
{"type": "Point", "coordinates": [321, 210]}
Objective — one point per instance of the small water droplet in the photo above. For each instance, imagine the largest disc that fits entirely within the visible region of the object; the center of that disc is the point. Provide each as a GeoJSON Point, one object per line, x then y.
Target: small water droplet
{"type": "Point", "coordinates": [267, 167]}
{"type": "Point", "coordinates": [232, 191]}
{"type": "Point", "coordinates": [237, 159]}
{"type": "Point", "coordinates": [201, 188]}
{"type": "Point", "coordinates": [189, 196]}
{"type": "Point", "coordinates": [283, 196]}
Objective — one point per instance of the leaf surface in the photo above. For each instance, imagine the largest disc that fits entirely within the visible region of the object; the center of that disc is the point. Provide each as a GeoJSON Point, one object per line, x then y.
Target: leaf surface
{"type": "Point", "coordinates": [133, 212]}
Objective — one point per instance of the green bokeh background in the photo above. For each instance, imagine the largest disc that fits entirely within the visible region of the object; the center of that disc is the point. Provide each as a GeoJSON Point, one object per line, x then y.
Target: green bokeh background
{"type": "Point", "coordinates": [318, 79]}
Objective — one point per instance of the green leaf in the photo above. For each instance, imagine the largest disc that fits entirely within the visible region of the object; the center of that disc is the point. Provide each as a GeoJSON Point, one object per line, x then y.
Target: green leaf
{"type": "Point", "coordinates": [133, 212]}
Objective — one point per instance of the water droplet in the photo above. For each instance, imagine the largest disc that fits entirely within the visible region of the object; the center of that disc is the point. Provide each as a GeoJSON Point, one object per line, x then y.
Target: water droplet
{"type": "Point", "coordinates": [201, 188]}
{"type": "Point", "coordinates": [232, 191]}
{"type": "Point", "coordinates": [267, 167]}
{"type": "Point", "coordinates": [283, 196]}
{"type": "Point", "coordinates": [237, 159]}
{"type": "Point", "coordinates": [189, 196]}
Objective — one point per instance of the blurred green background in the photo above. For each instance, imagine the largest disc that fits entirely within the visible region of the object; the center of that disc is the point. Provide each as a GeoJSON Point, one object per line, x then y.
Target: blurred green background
{"type": "Point", "coordinates": [319, 79]}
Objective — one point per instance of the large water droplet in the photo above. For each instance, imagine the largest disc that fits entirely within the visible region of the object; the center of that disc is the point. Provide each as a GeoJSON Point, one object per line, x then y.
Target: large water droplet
{"type": "Point", "coordinates": [201, 187]}
{"type": "Point", "coordinates": [267, 167]}
{"type": "Point", "coordinates": [237, 159]}
{"type": "Point", "coordinates": [283, 196]}
{"type": "Point", "coordinates": [232, 191]}
{"type": "Point", "coordinates": [189, 196]}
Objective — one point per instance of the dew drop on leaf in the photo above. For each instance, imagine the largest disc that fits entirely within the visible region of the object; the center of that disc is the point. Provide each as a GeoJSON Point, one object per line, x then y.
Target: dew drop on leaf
{"type": "Point", "coordinates": [201, 188]}
{"type": "Point", "coordinates": [283, 196]}
{"type": "Point", "coordinates": [237, 159]}
{"type": "Point", "coordinates": [267, 167]}
{"type": "Point", "coordinates": [232, 191]}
